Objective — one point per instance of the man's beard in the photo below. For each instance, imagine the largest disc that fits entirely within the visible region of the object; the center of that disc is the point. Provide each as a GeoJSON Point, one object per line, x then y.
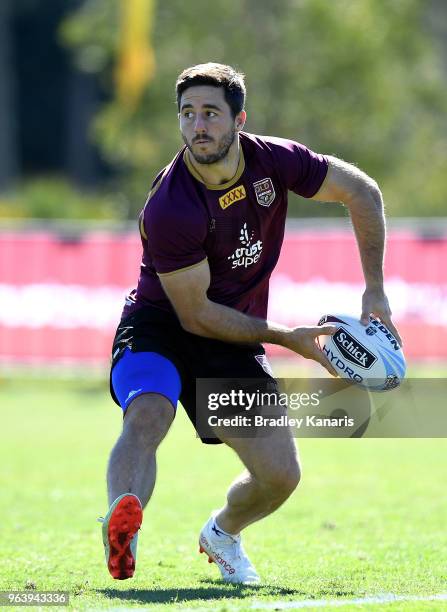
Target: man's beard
{"type": "Point", "coordinates": [222, 149]}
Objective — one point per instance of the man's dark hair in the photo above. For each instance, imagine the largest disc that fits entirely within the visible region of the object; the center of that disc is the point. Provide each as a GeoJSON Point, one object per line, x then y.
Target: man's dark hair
{"type": "Point", "coordinates": [215, 75]}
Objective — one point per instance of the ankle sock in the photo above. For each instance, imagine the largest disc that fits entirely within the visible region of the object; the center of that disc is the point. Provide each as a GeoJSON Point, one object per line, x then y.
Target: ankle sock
{"type": "Point", "coordinates": [215, 528]}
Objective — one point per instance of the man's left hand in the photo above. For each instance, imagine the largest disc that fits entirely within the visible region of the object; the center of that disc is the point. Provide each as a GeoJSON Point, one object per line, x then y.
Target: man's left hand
{"type": "Point", "coordinates": [375, 302]}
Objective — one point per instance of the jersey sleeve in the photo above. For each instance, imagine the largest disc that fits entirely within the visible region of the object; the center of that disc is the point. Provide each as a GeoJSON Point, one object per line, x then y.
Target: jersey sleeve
{"type": "Point", "coordinates": [175, 239]}
{"type": "Point", "coordinates": [301, 170]}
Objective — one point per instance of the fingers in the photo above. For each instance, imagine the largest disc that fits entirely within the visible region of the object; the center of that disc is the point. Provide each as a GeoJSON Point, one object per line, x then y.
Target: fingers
{"type": "Point", "coordinates": [379, 308]}
{"type": "Point", "coordinates": [387, 321]}
{"type": "Point", "coordinates": [324, 361]}
{"type": "Point", "coordinates": [318, 355]}
{"type": "Point", "coordinates": [364, 318]}
{"type": "Point", "coordinates": [324, 330]}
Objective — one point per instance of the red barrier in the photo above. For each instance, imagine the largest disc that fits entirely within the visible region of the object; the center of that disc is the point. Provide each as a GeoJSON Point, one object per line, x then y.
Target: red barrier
{"type": "Point", "coordinates": [61, 296]}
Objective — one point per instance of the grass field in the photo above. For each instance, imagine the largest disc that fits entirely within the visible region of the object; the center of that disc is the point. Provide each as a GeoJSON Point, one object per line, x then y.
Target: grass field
{"type": "Point", "coordinates": [368, 519]}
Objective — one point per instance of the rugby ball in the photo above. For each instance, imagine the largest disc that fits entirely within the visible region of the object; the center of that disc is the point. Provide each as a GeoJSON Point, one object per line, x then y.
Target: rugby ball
{"type": "Point", "coordinates": [368, 355]}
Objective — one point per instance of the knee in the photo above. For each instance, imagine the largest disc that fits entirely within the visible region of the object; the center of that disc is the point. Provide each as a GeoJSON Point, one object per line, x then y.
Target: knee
{"type": "Point", "coordinates": [282, 480]}
{"type": "Point", "coordinates": [148, 418]}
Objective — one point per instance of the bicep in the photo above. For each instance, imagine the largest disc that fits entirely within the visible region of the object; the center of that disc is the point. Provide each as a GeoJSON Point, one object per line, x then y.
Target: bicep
{"type": "Point", "coordinates": [186, 290]}
{"type": "Point", "coordinates": [343, 182]}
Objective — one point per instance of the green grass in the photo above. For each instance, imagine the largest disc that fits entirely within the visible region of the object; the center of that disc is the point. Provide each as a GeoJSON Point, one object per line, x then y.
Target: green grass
{"type": "Point", "coordinates": [367, 519]}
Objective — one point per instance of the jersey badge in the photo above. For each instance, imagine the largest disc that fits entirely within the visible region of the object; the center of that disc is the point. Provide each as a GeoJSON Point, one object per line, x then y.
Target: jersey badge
{"type": "Point", "coordinates": [265, 192]}
{"type": "Point", "coordinates": [232, 196]}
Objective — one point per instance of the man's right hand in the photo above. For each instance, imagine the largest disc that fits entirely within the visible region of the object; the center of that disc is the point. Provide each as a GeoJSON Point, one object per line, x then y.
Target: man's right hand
{"type": "Point", "coordinates": [303, 340]}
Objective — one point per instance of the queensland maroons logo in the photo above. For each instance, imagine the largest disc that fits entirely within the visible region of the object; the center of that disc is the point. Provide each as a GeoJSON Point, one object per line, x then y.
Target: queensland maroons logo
{"type": "Point", "coordinates": [264, 191]}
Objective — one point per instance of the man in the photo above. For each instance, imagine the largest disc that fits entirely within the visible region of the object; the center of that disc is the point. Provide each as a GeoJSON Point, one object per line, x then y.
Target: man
{"type": "Point", "coordinates": [212, 230]}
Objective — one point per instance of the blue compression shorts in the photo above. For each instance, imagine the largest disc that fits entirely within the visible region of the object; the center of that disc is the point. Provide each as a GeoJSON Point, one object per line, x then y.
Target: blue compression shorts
{"type": "Point", "coordinates": [145, 372]}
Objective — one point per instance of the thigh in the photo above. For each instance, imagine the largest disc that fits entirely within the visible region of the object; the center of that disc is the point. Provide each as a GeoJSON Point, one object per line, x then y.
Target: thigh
{"type": "Point", "coordinates": [267, 451]}
{"type": "Point", "coordinates": [147, 357]}
{"type": "Point", "coordinates": [142, 373]}
{"type": "Point", "coordinates": [219, 368]}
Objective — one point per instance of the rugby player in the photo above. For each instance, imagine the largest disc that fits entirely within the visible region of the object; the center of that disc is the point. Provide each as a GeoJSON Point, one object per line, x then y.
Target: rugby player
{"type": "Point", "coordinates": [212, 229]}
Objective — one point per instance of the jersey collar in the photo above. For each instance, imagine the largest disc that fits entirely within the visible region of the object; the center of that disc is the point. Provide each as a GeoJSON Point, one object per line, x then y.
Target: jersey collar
{"type": "Point", "coordinates": [232, 181]}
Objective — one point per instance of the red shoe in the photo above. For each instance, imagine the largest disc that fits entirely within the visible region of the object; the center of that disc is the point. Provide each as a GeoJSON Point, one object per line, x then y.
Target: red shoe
{"type": "Point", "coordinates": [120, 535]}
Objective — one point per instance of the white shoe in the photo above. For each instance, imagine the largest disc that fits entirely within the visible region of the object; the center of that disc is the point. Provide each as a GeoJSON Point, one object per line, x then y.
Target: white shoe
{"type": "Point", "coordinates": [228, 553]}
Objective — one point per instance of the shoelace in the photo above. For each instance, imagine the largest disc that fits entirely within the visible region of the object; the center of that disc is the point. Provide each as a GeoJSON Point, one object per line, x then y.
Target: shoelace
{"type": "Point", "coordinates": [242, 555]}
{"type": "Point", "coordinates": [238, 550]}
{"type": "Point", "coordinates": [227, 543]}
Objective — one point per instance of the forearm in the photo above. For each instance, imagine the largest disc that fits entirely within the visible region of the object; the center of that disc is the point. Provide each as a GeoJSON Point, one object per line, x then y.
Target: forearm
{"type": "Point", "coordinates": [360, 194]}
{"type": "Point", "coordinates": [229, 325]}
{"type": "Point", "coordinates": [366, 210]}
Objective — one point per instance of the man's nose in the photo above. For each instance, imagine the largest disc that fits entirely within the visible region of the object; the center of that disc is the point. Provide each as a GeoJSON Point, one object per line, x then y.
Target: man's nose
{"type": "Point", "coordinates": [199, 125]}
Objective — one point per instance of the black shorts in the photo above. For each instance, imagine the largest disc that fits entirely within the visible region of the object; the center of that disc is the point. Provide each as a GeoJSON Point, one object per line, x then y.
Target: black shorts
{"type": "Point", "coordinates": [150, 329]}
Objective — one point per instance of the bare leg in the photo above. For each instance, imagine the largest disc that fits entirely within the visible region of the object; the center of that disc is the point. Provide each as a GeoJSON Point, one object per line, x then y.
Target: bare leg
{"type": "Point", "coordinates": [132, 464]}
{"type": "Point", "coordinates": [272, 474]}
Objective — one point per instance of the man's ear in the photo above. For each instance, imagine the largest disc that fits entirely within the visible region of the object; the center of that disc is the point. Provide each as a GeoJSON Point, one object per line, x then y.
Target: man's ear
{"type": "Point", "coordinates": [240, 120]}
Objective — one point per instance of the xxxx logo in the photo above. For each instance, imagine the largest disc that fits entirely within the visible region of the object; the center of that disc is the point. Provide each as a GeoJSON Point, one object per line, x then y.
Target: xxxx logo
{"type": "Point", "coordinates": [236, 194]}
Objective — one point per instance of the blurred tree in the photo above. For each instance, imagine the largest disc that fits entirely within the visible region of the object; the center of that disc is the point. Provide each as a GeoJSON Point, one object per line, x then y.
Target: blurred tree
{"type": "Point", "coordinates": [360, 80]}
{"type": "Point", "coordinates": [135, 65]}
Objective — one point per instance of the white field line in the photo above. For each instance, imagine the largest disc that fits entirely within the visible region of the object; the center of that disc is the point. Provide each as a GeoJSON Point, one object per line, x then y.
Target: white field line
{"type": "Point", "coordinates": [385, 598]}
{"type": "Point", "coordinates": [337, 603]}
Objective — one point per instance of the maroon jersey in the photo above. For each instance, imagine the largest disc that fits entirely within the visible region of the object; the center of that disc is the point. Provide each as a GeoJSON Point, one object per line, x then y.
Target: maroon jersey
{"type": "Point", "coordinates": [237, 226]}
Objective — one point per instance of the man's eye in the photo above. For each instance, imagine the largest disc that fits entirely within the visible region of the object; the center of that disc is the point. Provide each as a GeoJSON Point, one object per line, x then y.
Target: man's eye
{"type": "Point", "coordinates": [211, 114]}
{"type": "Point", "coordinates": [187, 115]}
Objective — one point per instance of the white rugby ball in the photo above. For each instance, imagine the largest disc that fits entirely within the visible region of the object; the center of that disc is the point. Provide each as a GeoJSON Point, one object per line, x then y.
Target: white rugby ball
{"type": "Point", "coordinates": [368, 355]}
